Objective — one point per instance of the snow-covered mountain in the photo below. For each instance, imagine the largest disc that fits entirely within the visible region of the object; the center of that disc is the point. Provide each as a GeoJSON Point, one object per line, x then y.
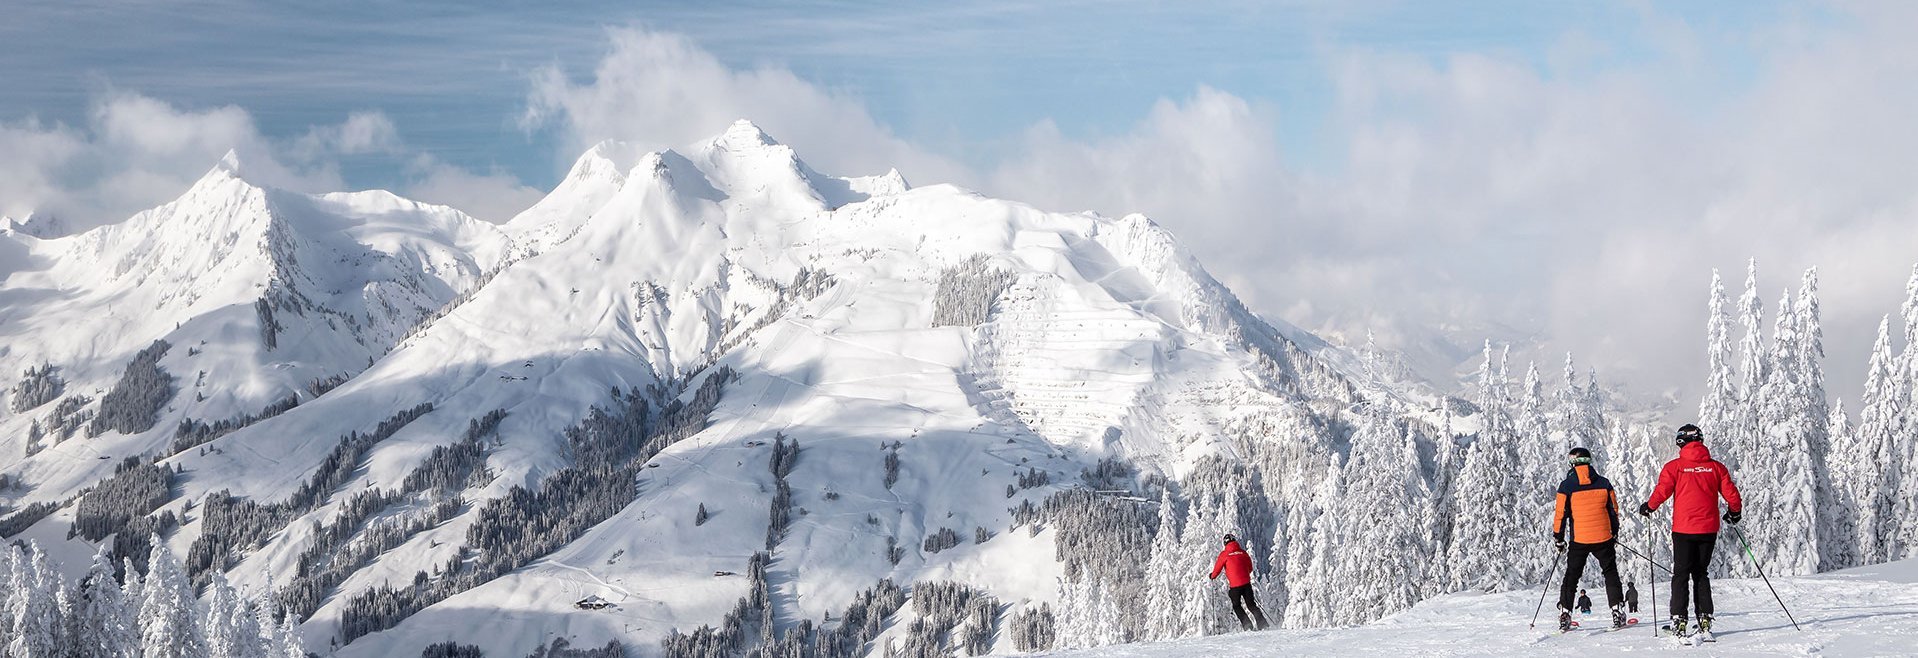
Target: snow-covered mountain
{"type": "Point", "coordinates": [259, 295]}
{"type": "Point", "coordinates": [956, 423]}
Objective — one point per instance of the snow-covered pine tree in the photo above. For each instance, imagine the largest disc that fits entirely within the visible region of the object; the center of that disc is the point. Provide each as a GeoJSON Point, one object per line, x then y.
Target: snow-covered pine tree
{"type": "Point", "coordinates": [105, 625]}
{"type": "Point", "coordinates": [1377, 526]}
{"type": "Point", "coordinates": [1876, 466]}
{"type": "Point", "coordinates": [1906, 390]}
{"type": "Point", "coordinates": [1781, 487]}
{"type": "Point", "coordinates": [36, 610]}
{"type": "Point", "coordinates": [1308, 555]}
{"type": "Point", "coordinates": [1834, 531]}
{"type": "Point", "coordinates": [1073, 626]}
{"type": "Point", "coordinates": [1201, 612]}
{"type": "Point", "coordinates": [1168, 568]}
{"type": "Point", "coordinates": [1840, 512]}
{"type": "Point", "coordinates": [1732, 447]}
{"type": "Point", "coordinates": [10, 596]}
{"type": "Point", "coordinates": [287, 641]}
{"type": "Point", "coordinates": [1538, 471]}
{"type": "Point", "coordinates": [1480, 556]}
{"type": "Point", "coordinates": [168, 626]}
{"type": "Point", "coordinates": [1718, 408]}
{"type": "Point", "coordinates": [1446, 461]}
{"type": "Point", "coordinates": [1632, 465]}
{"type": "Point", "coordinates": [229, 623]}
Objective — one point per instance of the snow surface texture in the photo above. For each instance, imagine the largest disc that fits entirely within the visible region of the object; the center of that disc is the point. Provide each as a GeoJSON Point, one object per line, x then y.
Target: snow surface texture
{"type": "Point", "coordinates": [1859, 612]}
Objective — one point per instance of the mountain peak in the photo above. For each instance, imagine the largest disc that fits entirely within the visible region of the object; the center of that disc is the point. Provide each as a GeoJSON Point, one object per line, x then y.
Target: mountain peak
{"type": "Point", "coordinates": [230, 163]}
{"type": "Point", "coordinates": [36, 224]}
{"type": "Point", "coordinates": [744, 134]}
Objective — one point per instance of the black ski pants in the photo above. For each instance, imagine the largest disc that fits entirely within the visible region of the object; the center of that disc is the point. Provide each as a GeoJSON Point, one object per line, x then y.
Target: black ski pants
{"type": "Point", "coordinates": [1243, 598]}
{"type": "Point", "coordinates": [1575, 556]}
{"type": "Point", "coordinates": [1691, 581]}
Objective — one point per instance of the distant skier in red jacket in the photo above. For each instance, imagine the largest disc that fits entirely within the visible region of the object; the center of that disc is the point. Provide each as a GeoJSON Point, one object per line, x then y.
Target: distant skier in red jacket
{"type": "Point", "coordinates": [1237, 566]}
{"type": "Point", "coordinates": [1694, 482]}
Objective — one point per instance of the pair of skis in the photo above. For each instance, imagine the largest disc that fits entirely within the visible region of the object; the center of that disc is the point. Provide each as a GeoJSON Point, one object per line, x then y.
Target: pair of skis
{"type": "Point", "coordinates": [1692, 639]}
{"type": "Point", "coordinates": [1628, 624]}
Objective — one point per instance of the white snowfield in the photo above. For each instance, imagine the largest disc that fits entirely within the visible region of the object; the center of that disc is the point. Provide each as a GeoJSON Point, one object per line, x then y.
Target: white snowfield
{"type": "Point", "coordinates": [641, 270]}
{"type": "Point", "coordinates": [1870, 611]}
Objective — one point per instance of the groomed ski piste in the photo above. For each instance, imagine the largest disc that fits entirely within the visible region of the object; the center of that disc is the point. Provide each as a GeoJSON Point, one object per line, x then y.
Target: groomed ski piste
{"type": "Point", "coordinates": [1869, 611]}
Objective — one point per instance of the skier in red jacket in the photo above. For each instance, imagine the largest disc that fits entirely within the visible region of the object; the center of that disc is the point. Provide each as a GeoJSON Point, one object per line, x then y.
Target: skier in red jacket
{"type": "Point", "coordinates": [1694, 482]}
{"type": "Point", "coordinates": [1237, 566]}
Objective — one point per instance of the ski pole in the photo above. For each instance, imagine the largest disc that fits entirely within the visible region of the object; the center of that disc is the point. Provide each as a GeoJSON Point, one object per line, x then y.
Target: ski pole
{"type": "Point", "coordinates": [1541, 593]}
{"type": "Point", "coordinates": [1761, 575]}
{"type": "Point", "coordinates": [1654, 578]}
{"type": "Point", "coordinates": [1644, 557]}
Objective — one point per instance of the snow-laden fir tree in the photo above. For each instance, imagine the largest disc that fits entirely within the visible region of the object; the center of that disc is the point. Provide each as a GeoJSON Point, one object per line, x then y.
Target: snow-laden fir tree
{"type": "Point", "coordinates": [1377, 527]}
{"type": "Point", "coordinates": [229, 622]}
{"type": "Point", "coordinates": [287, 641]}
{"type": "Point", "coordinates": [1204, 609]}
{"type": "Point", "coordinates": [1834, 532]}
{"type": "Point", "coordinates": [1718, 408]}
{"type": "Point", "coordinates": [106, 625]}
{"type": "Point", "coordinates": [1446, 458]}
{"type": "Point", "coordinates": [1074, 625]}
{"type": "Point", "coordinates": [1875, 467]}
{"type": "Point", "coordinates": [1781, 486]}
{"type": "Point", "coordinates": [168, 626]}
{"type": "Point", "coordinates": [1538, 454]}
{"type": "Point", "coordinates": [1734, 445]}
{"type": "Point", "coordinates": [1308, 554]}
{"type": "Point", "coordinates": [1572, 427]}
{"type": "Point", "coordinates": [37, 616]}
{"type": "Point", "coordinates": [1906, 390]}
{"type": "Point", "coordinates": [1539, 469]}
{"type": "Point", "coordinates": [1482, 555]}
{"type": "Point", "coordinates": [1840, 514]}
{"type": "Point", "coordinates": [1628, 460]}
{"type": "Point", "coordinates": [1168, 569]}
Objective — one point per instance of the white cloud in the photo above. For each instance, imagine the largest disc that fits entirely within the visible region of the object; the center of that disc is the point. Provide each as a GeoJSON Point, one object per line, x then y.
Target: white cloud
{"type": "Point", "coordinates": [136, 152]}
{"type": "Point", "coordinates": [494, 196]}
{"type": "Point", "coordinates": [661, 90]}
{"type": "Point", "coordinates": [1473, 192]}
{"type": "Point", "coordinates": [362, 133]}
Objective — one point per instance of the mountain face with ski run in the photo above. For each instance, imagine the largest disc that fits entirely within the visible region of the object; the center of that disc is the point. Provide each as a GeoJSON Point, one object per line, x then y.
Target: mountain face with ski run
{"type": "Point", "coordinates": [752, 406]}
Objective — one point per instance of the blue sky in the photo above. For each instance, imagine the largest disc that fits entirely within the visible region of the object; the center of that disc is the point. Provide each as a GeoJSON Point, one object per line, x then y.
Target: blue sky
{"type": "Point", "coordinates": [1565, 175]}
{"type": "Point", "coordinates": [962, 80]}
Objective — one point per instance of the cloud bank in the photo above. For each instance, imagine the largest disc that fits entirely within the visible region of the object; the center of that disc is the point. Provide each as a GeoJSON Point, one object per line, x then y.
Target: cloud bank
{"type": "Point", "coordinates": [135, 152]}
{"type": "Point", "coordinates": [1582, 206]}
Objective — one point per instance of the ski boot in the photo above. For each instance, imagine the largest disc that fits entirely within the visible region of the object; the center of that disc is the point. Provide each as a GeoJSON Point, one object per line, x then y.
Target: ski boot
{"type": "Point", "coordinates": [1679, 629]}
{"type": "Point", "coordinates": [1564, 620]}
{"type": "Point", "coordinates": [1618, 616]}
{"type": "Point", "coordinates": [1704, 630]}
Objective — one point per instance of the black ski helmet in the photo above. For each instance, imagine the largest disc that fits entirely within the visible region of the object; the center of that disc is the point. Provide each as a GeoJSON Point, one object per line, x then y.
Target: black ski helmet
{"type": "Point", "coordinates": [1581, 456]}
{"type": "Point", "coordinates": [1690, 433]}
{"type": "Point", "coordinates": [1229, 538]}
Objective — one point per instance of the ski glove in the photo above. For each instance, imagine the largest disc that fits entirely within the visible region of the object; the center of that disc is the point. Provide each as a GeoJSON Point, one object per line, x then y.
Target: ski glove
{"type": "Point", "coordinates": [1560, 542]}
{"type": "Point", "coordinates": [1732, 516]}
{"type": "Point", "coordinates": [1644, 509]}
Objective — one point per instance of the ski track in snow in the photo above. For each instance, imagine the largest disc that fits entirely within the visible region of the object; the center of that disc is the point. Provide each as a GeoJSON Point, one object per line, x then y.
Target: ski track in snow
{"type": "Point", "coordinates": [1871, 611]}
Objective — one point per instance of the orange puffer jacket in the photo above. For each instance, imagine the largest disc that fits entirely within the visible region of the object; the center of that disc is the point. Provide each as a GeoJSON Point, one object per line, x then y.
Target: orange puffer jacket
{"type": "Point", "coordinates": [1587, 507]}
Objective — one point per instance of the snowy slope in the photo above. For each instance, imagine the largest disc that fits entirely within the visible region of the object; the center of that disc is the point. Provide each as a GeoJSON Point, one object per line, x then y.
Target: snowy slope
{"type": "Point", "coordinates": [647, 285]}
{"type": "Point", "coordinates": [341, 277]}
{"type": "Point", "coordinates": [1858, 612]}
{"type": "Point", "coordinates": [987, 338]}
